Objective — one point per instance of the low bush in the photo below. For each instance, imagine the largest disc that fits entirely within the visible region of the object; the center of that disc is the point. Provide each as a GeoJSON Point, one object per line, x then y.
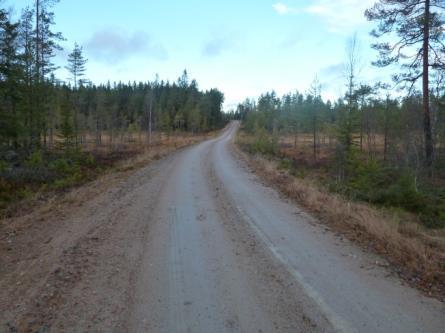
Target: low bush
{"type": "Point", "coordinates": [35, 160]}
{"type": "Point", "coordinates": [264, 143]}
{"type": "Point", "coordinates": [64, 166]}
{"type": "Point", "coordinates": [375, 183]}
{"type": "Point", "coordinates": [39, 170]}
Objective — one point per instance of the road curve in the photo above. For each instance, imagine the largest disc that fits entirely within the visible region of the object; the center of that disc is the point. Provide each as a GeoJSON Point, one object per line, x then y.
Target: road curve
{"type": "Point", "coordinates": [224, 253]}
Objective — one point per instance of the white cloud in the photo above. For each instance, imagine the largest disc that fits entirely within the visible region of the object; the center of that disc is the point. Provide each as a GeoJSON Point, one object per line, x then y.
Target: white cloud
{"type": "Point", "coordinates": [340, 15]}
{"type": "Point", "coordinates": [283, 9]}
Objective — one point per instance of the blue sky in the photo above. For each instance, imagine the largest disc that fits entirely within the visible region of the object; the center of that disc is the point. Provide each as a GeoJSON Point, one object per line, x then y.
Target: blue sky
{"type": "Point", "coordinates": [242, 47]}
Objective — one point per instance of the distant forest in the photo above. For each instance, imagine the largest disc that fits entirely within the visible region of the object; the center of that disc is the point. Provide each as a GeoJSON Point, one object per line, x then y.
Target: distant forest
{"type": "Point", "coordinates": [379, 128]}
{"type": "Point", "coordinates": [39, 111]}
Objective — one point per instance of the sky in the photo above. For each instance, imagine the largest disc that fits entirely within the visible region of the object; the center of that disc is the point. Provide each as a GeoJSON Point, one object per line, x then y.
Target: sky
{"type": "Point", "coordinates": [243, 48]}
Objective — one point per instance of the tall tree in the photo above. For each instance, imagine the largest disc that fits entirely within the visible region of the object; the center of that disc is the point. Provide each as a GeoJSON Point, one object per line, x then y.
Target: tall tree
{"type": "Point", "coordinates": [418, 26]}
{"type": "Point", "coordinates": [10, 73]}
{"type": "Point", "coordinates": [45, 44]}
{"type": "Point", "coordinates": [76, 66]}
{"type": "Point", "coordinates": [315, 93]}
{"type": "Point", "coordinates": [352, 70]}
{"type": "Point", "coordinates": [46, 41]}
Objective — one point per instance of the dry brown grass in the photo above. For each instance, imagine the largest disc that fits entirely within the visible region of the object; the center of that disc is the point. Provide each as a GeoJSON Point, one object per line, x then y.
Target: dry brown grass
{"type": "Point", "coordinates": [415, 254]}
{"type": "Point", "coordinates": [302, 149]}
{"type": "Point", "coordinates": [162, 147]}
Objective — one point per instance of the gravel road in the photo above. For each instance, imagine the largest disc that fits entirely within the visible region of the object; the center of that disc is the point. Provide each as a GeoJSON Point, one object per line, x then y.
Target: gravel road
{"type": "Point", "coordinates": [196, 243]}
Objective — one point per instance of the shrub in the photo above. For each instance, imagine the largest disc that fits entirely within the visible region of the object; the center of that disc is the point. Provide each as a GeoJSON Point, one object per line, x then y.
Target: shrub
{"type": "Point", "coordinates": [285, 164]}
{"type": "Point", "coordinates": [5, 191]}
{"type": "Point", "coordinates": [4, 166]}
{"type": "Point", "coordinates": [28, 175]}
{"type": "Point", "coordinates": [264, 143]}
{"type": "Point", "coordinates": [373, 182]}
{"type": "Point", "coordinates": [433, 221]}
{"type": "Point", "coordinates": [35, 160]}
{"type": "Point", "coordinates": [404, 193]}
{"type": "Point", "coordinates": [62, 166]}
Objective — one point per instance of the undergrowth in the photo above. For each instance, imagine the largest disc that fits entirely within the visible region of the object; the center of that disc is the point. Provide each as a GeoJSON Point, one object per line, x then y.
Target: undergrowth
{"type": "Point", "coordinates": [22, 176]}
{"type": "Point", "coordinates": [366, 180]}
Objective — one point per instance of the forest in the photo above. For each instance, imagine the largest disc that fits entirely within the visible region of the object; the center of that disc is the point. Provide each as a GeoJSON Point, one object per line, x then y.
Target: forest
{"type": "Point", "coordinates": [51, 130]}
{"type": "Point", "coordinates": [381, 143]}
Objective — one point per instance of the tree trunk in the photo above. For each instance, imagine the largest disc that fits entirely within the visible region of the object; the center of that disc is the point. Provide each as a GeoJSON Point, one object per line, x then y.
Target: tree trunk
{"type": "Point", "coordinates": [361, 128]}
{"type": "Point", "coordinates": [37, 40]}
{"type": "Point", "coordinates": [386, 128]}
{"type": "Point", "coordinates": [51, 128]}
{"type": "Point", "coordinates": [150, 122]}
{"type": "Point", "coordinates": [315, 138]}
{"type": "Point", "coordinates": [149, 107]}
{"type": "Point", "coordinates": [426, 97]}
{"type": "Point", "coordinates": [385, 142]}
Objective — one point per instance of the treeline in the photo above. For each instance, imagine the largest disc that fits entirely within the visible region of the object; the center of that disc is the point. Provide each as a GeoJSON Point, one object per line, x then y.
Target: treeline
{"type": "Point", "coordinates": [117, 110]}
{"type": "Point", "coordinates": [39, 111]}
{"type": "Point", "coordinates": [385, 129]}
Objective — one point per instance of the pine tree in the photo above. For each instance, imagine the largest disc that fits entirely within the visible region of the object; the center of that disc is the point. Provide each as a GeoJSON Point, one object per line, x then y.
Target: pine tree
{"type": "Point", "coordinates": [418, 25]}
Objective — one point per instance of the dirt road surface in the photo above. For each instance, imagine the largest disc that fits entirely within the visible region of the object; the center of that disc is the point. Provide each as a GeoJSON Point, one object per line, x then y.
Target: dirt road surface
{"type": "Point", "coordinates": [194, 243]}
